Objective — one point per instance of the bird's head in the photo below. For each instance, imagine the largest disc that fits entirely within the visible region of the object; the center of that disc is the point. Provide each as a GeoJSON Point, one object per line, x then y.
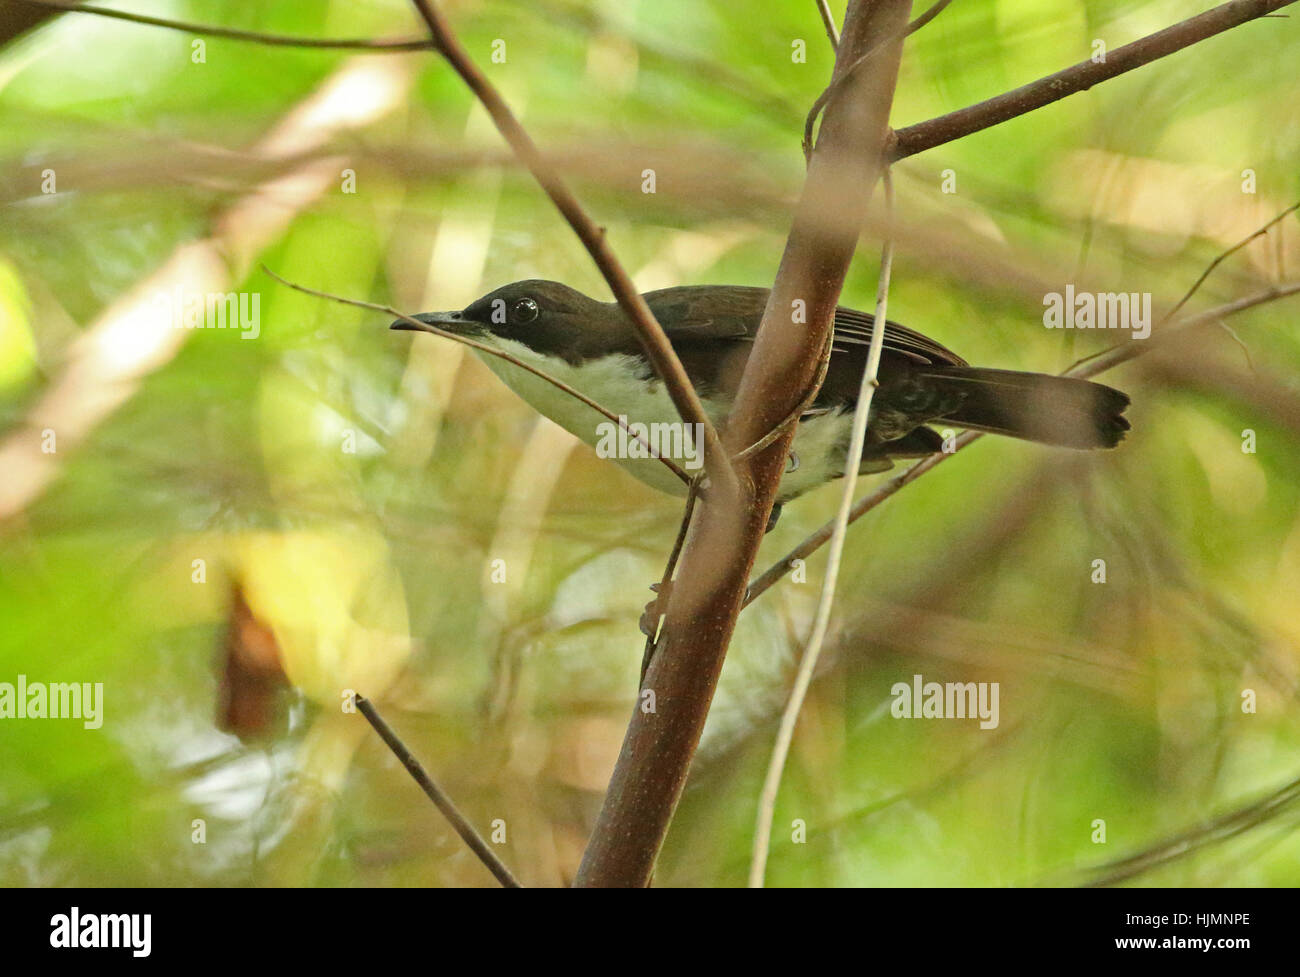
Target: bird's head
{"type": "Point", "coordinates": [547, 317]}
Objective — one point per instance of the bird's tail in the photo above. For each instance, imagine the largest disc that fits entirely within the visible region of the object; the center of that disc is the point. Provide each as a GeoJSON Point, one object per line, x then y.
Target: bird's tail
{"type": "Point", "coordinates": [1062, 411]}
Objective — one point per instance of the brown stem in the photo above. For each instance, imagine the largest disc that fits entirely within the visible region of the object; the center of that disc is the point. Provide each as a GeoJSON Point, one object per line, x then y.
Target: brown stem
{"type": "Point", "coordinates": [1228, 253]}
{"type": "Point", "coordinates": [436, 794]}
{"type": "Point", "coordinates": [1080, 77]}
{"type": "Point", "coordinates": [274, 40]}
{"type": "Point", "coordinates": [828, 21]}
{"type": "Point", "coordinates": [651, 334]}
{"type": "Point", "coordinates": [660, 744]}
{"type": "Point", "coordinates": [666, 581]}
{"type": "Point", "coordinates": [671, 465]}
{"type": "Point", "coordinates": [843, 76]}
{"type": "Point", "coordinates": [1214, 832]}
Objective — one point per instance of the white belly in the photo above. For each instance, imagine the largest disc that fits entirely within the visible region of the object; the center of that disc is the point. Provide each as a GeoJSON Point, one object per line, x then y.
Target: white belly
{"type": "Point", "coordinates": [820, 442]}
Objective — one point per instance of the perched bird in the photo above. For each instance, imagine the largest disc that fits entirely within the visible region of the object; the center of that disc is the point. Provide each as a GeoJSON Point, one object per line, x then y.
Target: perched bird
{"type": "Point", "coordinates": [593, 347]}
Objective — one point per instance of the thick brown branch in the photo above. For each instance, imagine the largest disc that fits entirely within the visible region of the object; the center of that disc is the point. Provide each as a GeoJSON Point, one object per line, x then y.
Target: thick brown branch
{"type": "Point", "coordinates": [660, 744]}
{"type": "Point", "coordinates": [1078, 78]}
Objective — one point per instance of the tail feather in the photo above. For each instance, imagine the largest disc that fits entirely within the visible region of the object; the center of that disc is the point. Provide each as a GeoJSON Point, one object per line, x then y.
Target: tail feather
{"type": "Point", "coordinates": [1038, 407]}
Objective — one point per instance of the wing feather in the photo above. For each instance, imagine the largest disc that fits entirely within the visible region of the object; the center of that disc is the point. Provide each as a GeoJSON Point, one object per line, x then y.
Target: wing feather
{"type": "Point", "coordinates": [703, 312]}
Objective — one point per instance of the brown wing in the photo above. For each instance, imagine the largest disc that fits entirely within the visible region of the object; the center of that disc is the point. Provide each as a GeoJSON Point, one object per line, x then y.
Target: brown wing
{"type": "Point", "coordinates": [853, 328]}
{"type": "Point", "coordinates": [712, 327]}
{"type": "Point", "coordinates": [703, 312]}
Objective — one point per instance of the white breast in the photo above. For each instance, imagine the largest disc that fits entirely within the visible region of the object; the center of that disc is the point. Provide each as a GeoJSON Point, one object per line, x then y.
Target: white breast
{"type": "Point", "coordinates": [614, 383]}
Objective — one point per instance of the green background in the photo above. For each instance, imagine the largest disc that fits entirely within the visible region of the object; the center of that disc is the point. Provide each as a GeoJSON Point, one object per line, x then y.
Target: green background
{"type": "Point", "coordinates": [360, 483]}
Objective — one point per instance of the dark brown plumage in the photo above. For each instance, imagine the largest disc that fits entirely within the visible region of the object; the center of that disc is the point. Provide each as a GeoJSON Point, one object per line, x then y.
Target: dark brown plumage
{"type": "Point", "coordinates": [712, 328]}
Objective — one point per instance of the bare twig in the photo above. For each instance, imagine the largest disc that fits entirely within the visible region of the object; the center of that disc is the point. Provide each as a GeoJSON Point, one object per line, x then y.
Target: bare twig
{"type": "Point", "coordinates": [928, 16]}
{"type": "Point", "coordinates": [857, 441]}
{"type": "Point", "coordinates": [255, 37]}
{"type": "Point", "coordinates": [436, 794]}
{"type": "Point", "coordinates": [666, 581]}
{"type": "Point", "coordinates": [1123, 352]}
{"type": "Point", "coordinates": [1080, 77]}
{"type": "Point", "coordinates": [1209, 270]}
{"type": "Point", "coordinates": [828, 21]}
{"type": "Point", "coordinates": [1219, 830]}
{"type": "Point", "coordinates": [1227, 254]}
{"type": "Point", "coordinates": [500, 354]}
{"type": "Point", "coordinates": [821, 101]}
{"type": "Point", "coordinates": [797, 411]}
{"type": "Point", "coordinates": [657, 347]}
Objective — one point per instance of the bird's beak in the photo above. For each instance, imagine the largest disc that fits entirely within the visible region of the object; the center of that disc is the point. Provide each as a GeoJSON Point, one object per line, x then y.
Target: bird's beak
{"type": "Point", "coordinates": [448, 321]}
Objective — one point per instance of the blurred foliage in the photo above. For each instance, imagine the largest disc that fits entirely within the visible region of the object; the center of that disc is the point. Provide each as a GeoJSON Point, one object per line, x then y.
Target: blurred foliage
{"type": "Point", "coordinates": [359, 484]}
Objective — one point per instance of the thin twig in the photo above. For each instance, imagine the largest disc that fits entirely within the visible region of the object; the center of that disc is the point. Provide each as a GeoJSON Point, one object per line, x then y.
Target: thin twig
{"type": "Point", "coordinates": [1201, 281]}
{"type": "Point", "coordinates": [500, 354]}
{"type": "Point", "coordinates": [1117, 354]}
{"type": "Point", "coordinates": [1077, 78]}
{"type": "Point", "coordinates": [828, 21]}
{"type": "Point", "coordinates": [666, 581]}
{"type": "Point", "coordinates": [436, 794]}
{"type": "Point", "coordinates": [1123, 352]}
{"type": "Point", "coordinates": [660, 351]}
{"type": "Point", "coordinates": [928, 16]}
{"type": "Point", "coordinates": [797, 411]}
{"type": "Point", "coordinates": [821, 101]}
{"type": "Point", "coordinates": [803, 679]}
{"type": "Point", "coordinates": [275, 40]}
{"type": "Point", "coordinates": [1217, 831]}
{"type": "Point", "coordinates": [1228, 253]}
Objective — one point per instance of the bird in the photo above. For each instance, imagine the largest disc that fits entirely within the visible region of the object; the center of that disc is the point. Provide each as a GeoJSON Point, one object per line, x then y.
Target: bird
{"type": "Point", "coordinates": [593, 347]}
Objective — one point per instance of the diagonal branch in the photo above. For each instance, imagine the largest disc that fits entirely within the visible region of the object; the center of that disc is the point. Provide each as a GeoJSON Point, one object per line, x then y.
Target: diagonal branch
{"type": "Point", "coordinates": [436, 794]}
{"type": "Point", "coordinates": [1217, 831]}
{"type": "Point", "coordinates": [828, 21]}
{"type": "Point", "coordinates": [842, 77]}
{"type": "Point", "coordinates": [491, 351]}
{"type": "Point", "coordinates": [1077, 78]}
{"type": "Point", "coordinates": [657, 347]}
{"type": "Point", "coordinates": [1228, 253]}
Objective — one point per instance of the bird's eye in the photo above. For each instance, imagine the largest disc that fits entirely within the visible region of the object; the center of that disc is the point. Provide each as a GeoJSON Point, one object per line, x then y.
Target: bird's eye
{"type": "Point", "coordinates": [525, 310]}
